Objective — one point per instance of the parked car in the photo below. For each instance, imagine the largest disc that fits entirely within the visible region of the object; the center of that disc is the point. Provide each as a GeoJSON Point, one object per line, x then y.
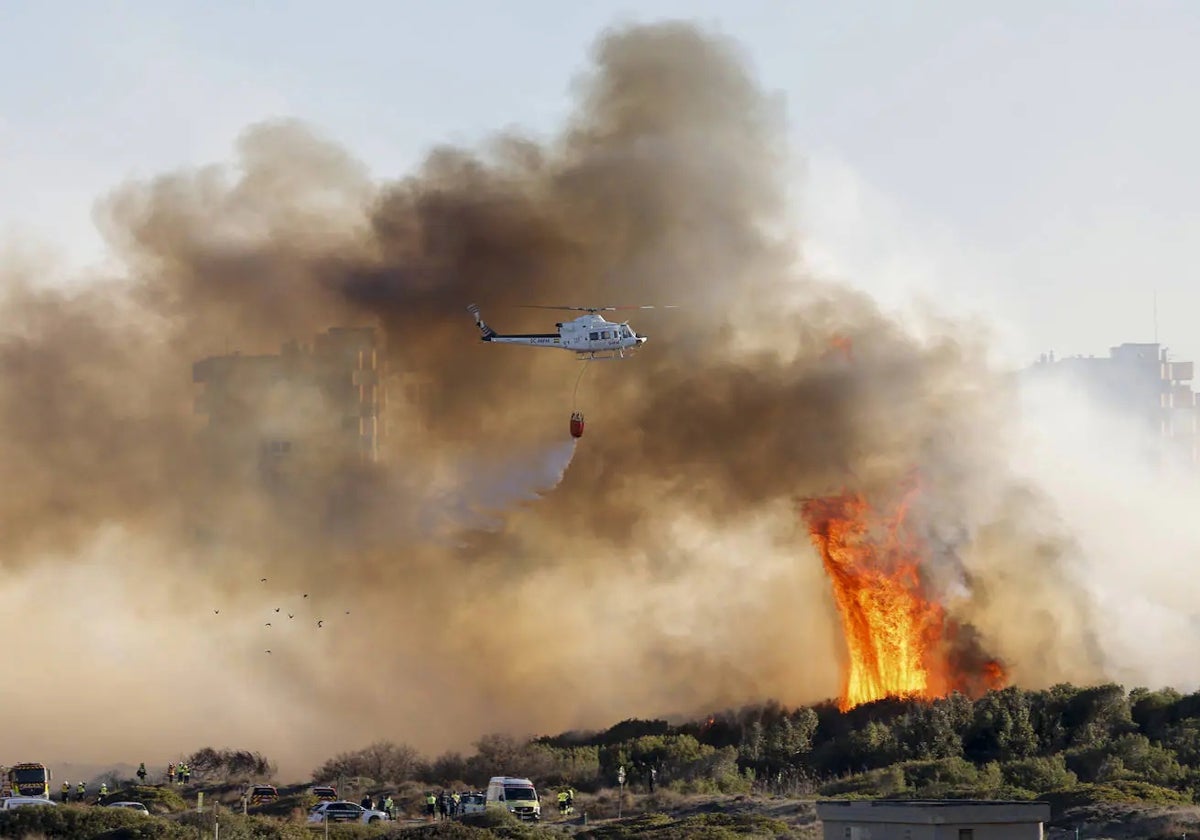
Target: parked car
{"type": "Point", "coordinates": [343, 811]}
{"type": "Point", "coordinates": [473, 803]}
{"type": "Point", "coordinates": [130, 806]}
{"type": "Point", "coordinates": [10, 802]}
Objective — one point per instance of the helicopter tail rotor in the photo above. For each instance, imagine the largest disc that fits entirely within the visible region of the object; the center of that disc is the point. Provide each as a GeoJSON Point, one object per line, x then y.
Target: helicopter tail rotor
{"type": "Point", "coordinates": [485, 332]}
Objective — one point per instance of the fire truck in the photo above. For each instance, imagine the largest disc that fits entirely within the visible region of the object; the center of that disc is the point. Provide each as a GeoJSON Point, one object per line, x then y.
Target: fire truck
{"type": "Point", "coordinates": [30, 778]}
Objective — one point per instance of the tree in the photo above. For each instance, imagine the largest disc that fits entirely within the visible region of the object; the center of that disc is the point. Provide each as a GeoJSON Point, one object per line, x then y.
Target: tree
{"type": "Point", "coordinates": [1001, 729]}
{"type": "Point", "coordinates": [927, 732]}
{"type": "Point", "coordinates": [1154, 711]}
{"type": "Point", "coordinates": [1097, 714]}
{"type": "Point", "coordinates": [381, 761]}
{"type": "Point", "coordinates": [789, 739]}
{"type": "Point", "coordinates": [447, 768]}
{"type": "Point", "coordinates": [227, 764]}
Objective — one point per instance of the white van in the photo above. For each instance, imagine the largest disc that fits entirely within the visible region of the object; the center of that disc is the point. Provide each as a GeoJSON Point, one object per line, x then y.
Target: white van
{"type": "Point", "coordinates": [517, 795]}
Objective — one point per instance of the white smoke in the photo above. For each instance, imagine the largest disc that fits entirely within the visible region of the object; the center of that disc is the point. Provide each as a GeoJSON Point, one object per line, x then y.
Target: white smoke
{"type": "Point", "coordinates": [475, 492]}
{"type": "Point", "coordinates": [1134, 524]}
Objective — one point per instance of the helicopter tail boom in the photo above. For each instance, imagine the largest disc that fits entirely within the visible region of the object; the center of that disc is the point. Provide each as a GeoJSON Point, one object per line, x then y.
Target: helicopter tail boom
{"type": "Point", "coordinates": [486, 333]}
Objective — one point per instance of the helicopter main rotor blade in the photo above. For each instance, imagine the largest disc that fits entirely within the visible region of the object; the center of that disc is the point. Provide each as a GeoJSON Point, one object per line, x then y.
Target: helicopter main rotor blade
{"type": "Point", "coordinates": [594, 308]}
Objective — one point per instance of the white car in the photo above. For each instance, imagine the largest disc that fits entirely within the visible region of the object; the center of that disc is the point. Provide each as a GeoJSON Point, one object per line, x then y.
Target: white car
{"type": "Point", "coordinates": [130, 806]}
{"type": "Point", "coordinates": [472, 803]}
{"type": "Point", "coordinates": [11, 802]}
{"type": "Point", "coordinates": [343, 811]}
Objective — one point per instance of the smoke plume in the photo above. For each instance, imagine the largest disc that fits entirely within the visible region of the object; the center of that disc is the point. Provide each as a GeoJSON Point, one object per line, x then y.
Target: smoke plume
{"type": "Point", "coordinates": [663, 571]}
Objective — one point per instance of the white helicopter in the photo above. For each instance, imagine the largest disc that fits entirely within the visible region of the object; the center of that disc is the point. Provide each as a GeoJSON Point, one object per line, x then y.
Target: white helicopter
{"type": "Point", "coordinates": [589, 336]}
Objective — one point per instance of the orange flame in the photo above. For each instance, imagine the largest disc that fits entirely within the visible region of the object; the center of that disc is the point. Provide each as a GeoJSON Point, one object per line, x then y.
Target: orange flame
{"type": "Point", "coordinates": [894, 635]}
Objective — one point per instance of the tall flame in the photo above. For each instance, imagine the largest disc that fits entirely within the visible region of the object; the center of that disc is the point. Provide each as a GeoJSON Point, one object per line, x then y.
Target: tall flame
{"type": "Point", "coordinates": [895, 636]}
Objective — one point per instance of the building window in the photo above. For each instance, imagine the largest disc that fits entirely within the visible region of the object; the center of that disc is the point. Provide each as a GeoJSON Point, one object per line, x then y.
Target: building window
{"type": "Point", "coordinates": [966, 834]}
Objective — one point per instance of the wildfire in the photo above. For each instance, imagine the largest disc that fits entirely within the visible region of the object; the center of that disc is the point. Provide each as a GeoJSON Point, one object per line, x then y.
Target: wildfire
{"type": "Point", "coordinates": [896, 638]}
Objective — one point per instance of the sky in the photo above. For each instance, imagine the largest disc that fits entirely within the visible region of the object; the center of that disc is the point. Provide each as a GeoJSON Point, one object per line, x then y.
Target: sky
{"type": "Point", "coordinates": [1031, 163]}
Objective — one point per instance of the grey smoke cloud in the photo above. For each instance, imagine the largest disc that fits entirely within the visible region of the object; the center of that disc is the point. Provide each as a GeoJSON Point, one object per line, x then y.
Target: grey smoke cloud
{"type": "Point", "coordinates": [665, 570]}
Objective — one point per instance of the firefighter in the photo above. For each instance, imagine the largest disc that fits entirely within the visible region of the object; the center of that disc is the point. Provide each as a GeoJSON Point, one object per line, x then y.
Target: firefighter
{"type": "Point", "coordinates": [66, 792]}
{"type": "Point", "coordinates": [562, 801]}
{"type": "Point", "coordinates": [455, 804]}
{"type": "Point", "coordinates": [141, 773]}
{"type": "Point", "coordinates": [103, 789]}
{"type": "Point", "coordinates": [81, 790]}
{"type": "Point", "coordinates": [390, 806]}
{"type": "Point", "coordinates": [171, 773]}
{"type": "Point", "coordinates": [430, 806]}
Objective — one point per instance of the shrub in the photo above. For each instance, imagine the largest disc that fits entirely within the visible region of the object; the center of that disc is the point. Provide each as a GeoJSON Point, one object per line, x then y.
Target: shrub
{"type": "Point", "coordinates": [889, 781]}
{"type": "Point", "coordinates": [711, 826]}
{"type": "Point", "coordinates": [1038, 774]}
{"type": "Point", "coordinates": [157, 799]}
{"type": "Point", "coordinates": [87, 821]}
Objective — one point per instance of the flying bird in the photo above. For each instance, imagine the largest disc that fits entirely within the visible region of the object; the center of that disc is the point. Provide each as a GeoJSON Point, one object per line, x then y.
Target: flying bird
{"type": "Point", "coordinates": [277, 609]}
{"type": "Point", "coordinates": [305, 594]}
{"type": "Point", "coordinates": [262, 580]}
{"type": "Point", "coordinates": [268, 651]}
{"type": "Point", "coordinates": [347, 612]}
{"type": "Point", "coordinates": [268, 624]}
{"type": "Point", "coordinates": [216, 612]}
{"type": "Point", "coordinates": [291, 616]}
{"type": "Point", "coordinates": [320, 623]}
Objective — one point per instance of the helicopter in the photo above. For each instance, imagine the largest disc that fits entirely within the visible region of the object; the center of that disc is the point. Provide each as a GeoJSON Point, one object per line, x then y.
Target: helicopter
{"type": "Point", "coordinates": [589, 336]}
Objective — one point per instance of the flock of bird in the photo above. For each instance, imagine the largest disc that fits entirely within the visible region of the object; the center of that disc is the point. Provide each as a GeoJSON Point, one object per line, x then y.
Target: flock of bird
{"type": "Point", "coordinates": [320, 621]}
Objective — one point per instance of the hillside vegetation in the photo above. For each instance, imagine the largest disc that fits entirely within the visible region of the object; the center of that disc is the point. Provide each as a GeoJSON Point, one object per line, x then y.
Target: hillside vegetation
{"type": "Point", "coordinates": [1099, 743]}
{"type": "Point", "coordinates": [1100, 755]}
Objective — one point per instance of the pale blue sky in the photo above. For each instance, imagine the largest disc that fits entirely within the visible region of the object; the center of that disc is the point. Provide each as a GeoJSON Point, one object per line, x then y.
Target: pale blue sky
{"type": "Point", "coordinates": [1038, 159]}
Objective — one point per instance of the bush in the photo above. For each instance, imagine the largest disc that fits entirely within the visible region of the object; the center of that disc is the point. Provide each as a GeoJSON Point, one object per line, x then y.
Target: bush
{"type": "Point", "coordinates": [1038, 774]}
{"type": "Point", "coordinates": [712, 826]}
{"type": "Point", "coordinates": [157, 799]}
{"type": "Point", "coordinates": [1118, 792]}
{"type": "Point", "coordinates": [940, 773]}
{"type": "Point", "coordinates": [238, 827]}
{"type": "Point", "coordinates": [874, 783]}
{"type": "Point", "coordinates": [87, 821]}
{"type": "Point", "coordinates": [498, 822]}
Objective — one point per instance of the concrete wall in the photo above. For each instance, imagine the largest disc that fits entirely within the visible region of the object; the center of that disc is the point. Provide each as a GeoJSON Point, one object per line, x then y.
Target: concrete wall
{"type": "Point", "coordinates": [834, 830]}
{"type": "Point", "coordinates": [932, 820]}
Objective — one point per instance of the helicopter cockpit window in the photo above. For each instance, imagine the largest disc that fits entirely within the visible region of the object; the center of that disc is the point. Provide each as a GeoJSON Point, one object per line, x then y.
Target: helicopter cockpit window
{"type": "Point", "coordinates": [607, 334]}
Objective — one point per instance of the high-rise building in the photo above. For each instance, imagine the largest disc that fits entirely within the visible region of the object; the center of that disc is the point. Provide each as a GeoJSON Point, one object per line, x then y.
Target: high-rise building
{"type": "Point", "coordinates": [318, 404]}
{"type": "Point", "coordinates": [1141, 382]}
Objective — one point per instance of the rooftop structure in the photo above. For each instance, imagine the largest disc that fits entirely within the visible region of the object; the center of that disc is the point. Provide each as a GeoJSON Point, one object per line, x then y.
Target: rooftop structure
{"type": "Point", "coordinates": [932, 820]}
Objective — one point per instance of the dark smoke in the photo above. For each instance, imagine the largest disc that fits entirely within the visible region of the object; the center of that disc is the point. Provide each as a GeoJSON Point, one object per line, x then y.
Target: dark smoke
{"type": "Point", "coordinates": [667, 570]}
